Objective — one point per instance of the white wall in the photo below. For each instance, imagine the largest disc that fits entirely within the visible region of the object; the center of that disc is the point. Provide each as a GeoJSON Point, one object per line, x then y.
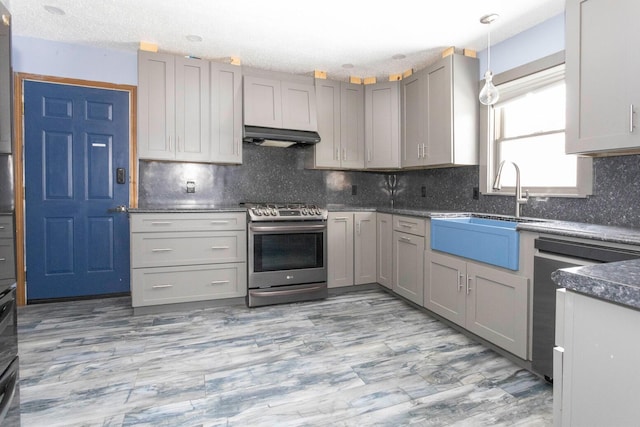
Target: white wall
{"type": "Point", "coordinates": [38, 56]}
{"type": "Point", "coordinates": [537, 42]}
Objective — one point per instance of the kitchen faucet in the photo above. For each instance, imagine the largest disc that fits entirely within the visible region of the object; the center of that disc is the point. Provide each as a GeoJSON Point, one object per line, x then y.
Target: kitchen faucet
{"type": "Point", "coordinates": [519, 199]}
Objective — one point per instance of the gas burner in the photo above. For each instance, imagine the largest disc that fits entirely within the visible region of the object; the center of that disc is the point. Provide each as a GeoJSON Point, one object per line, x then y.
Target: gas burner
{"type": "Point", "coordinates": [285, 212]}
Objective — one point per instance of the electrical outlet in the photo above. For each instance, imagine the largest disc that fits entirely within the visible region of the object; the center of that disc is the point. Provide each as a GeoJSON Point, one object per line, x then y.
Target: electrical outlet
{"type": "Point", "coordinates": [191, 186]}
{"type": "Point", "coordinates": [476, 193]}
{"type": "Point", "coordinates": [354, 190]}
{"type": "Point", "coordinates": [423, 191]}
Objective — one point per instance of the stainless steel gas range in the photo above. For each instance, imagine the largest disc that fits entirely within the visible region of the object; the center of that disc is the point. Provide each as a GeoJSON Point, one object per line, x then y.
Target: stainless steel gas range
{"type": "Point", "coordinates": [287, 253]}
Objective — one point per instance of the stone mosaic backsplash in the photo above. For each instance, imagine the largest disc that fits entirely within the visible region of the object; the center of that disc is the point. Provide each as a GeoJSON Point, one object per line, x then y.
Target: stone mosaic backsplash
{"type": "Point", "coordinates": [279, 174]}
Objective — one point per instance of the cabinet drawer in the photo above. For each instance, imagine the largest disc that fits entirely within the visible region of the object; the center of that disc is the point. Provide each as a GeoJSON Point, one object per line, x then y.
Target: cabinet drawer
{"type": "Point", "coordinates": [411, 225]}
{"type": "Point", "coordinates": [7, 257]}
{"type": "Point", "coordinates": [153, 286]}
{"type": "Point", "coordinates": [201, 221]}
{"type": "Point", "coordinates": [6, 226]}
{"type": "Point", "coordinates": [167, 249]}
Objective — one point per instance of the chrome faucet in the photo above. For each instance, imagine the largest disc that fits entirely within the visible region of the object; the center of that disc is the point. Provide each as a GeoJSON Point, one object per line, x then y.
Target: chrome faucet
{"type": "Point", "coordinates": [519, 199]}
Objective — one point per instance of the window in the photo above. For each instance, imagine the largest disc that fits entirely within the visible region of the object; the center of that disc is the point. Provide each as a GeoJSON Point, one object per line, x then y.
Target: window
{"type": "Point", "coordinates": [527, 127]}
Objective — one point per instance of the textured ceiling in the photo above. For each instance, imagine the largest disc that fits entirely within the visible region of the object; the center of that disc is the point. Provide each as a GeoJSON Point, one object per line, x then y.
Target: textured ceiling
{"type": "Point", "coordinates": [296, 36]}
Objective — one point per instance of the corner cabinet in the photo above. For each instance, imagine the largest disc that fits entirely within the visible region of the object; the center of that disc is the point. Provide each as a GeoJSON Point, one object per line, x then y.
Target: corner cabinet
{"type": "Point", "coordinates": [186, 257]}
{"type": "Point", "coordinates": [487, 301]}
{"type": "Point", "coordinates": [602, 68]}
{"type": "Point", "coordinates": [440, 114]}
{"type": "Point", "coordinates": [382, 125]}
{"type": "Point", "coordinates": [188, 109]}
{"type": "Point", "coordinates": [279, 104]}
{"type": "Point", "coordinates": [340, 109]}
{"type": "Point", "coordinates": [408, 257]}
{"type": "Point", "coordinates": [351, 248]}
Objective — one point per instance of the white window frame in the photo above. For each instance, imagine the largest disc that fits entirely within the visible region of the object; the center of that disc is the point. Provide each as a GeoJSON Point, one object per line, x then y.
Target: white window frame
{"type": "Point", "coordinates": [512, 84]}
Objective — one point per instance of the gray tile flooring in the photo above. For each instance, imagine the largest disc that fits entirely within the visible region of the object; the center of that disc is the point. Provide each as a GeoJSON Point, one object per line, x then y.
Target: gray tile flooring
{"type": "Point", "coordinates": [358, 359]}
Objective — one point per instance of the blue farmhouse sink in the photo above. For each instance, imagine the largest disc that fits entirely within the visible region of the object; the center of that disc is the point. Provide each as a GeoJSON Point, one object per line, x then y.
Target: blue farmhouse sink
{"type": "Point", "coordinates": [490, 241]}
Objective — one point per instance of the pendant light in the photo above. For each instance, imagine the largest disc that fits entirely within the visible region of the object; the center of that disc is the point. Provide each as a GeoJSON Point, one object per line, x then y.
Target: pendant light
{"type": "Point", "coordinates": [489, 94]}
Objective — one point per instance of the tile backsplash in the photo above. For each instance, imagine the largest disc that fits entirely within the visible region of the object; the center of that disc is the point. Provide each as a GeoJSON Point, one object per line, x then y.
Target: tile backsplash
{"type": "Point", "coordinates": [276, 174]}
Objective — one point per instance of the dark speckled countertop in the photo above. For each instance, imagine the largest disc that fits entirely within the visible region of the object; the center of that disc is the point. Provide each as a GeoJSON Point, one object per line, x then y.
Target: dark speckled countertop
{"type": "Point", "coordinates": [618, 282]}
{"type": "Point", "coordinates": [187, 208]}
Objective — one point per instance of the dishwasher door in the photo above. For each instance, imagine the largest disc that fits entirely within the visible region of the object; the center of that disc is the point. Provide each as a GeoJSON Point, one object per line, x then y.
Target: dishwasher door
{"type": "Point", "coordinates": [544, 312]}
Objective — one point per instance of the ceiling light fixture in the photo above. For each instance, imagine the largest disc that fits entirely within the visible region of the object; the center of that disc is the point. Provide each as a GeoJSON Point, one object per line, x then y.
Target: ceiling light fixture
{"type": "Point", "coordinates": [347, 66]}
{"type": "Point", "coordinates": [194, 38]}
{"type": "Point", "coordinates": [53, 10]}
{"type": "Point", "coordinates": [398, 56]}
{"type": "Point", "coordinates": [489, 94]}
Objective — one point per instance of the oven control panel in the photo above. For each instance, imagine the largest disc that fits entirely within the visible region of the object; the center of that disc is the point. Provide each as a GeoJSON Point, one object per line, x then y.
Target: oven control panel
{"type": "Point", "coordinates": [285, 212]}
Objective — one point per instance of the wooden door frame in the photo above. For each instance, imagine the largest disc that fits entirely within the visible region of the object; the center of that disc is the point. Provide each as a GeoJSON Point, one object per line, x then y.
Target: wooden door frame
{"type": "Point", "coordinates": [18, 158]}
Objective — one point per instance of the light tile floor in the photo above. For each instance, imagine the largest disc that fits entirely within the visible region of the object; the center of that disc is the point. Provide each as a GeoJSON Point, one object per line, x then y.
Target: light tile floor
{"type": "Point", "coordinates": [358, 359]}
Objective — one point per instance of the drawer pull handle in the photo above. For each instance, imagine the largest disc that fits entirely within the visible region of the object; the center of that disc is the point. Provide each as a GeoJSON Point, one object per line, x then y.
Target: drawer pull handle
{"type": "Point", "coordinates": [161, 223]}
{"type": "Point", "coordinates": [406, 225]}
{"type": "Point", "coordinates": [340, 218]}
{"type": "Point", "coordinates": [219, 282]}
{"type": "Point", "coordinates": [3, 259]}
{"type": "Point", "coordinates": [219, 247]}
{"type": "Point", "coordinates": [405, 239]}
{"type": "Point", "coordinates": [460, 280]}
{"type": "Point", "coordinates": [1, 227]}
{"type": "Point", "coordinates": [219, 222]}
{"type": "Point", "coordinates": [161, 250]}
{"type": "Point", "coordinates": [162, 286]}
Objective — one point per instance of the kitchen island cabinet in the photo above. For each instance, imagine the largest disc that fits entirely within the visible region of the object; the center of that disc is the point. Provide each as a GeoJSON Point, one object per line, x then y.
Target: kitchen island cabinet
{"type": "Point", "coordinates": [351, 248]}
{"type": "Point", "coordinates": [602, 68]}
{"type": "Point", "coordinates": [186, 257]}
{"type": "Point", "coordinates": [488, 301]}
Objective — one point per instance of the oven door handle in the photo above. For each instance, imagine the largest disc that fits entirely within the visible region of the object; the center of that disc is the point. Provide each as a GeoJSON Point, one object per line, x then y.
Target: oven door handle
{"type": "Point", "coordinates": [271, 228]}
{"type": "Point", "coordinates": [286, 292]}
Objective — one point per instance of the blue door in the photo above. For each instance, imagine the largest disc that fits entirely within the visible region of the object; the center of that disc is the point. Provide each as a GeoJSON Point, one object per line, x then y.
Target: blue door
{"type": "Point", "coordinates": [76, 175]}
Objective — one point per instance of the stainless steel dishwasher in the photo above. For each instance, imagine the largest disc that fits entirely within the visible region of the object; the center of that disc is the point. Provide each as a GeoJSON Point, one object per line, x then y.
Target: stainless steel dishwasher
{"type": "Point", "coordinates": [554, 254]}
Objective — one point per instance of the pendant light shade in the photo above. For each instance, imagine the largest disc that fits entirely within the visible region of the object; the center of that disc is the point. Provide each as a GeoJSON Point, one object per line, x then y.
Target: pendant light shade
{"type": "Point", "coordinates": [489, 93]}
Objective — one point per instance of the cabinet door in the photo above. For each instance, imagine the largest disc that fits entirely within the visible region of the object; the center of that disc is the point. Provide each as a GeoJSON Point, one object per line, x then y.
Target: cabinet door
{"type": "Point", "coordinates": [365, 248]}
{"type": "Point", "coordinates": [156, 106]}
{"type": "Point", "coordinates": [340, 249]}
{"type": "Point", "coordinates": [225, 113]}
{"type": "Point", "coordinates": [262, 102]}
{"type": "Point", "coordinates": [413, 120]}
{"type": "Point", "coordinates": [438, 127]}
{"type": "Point", "coordinates": [327, 151]}
{"type": "Point", "coordinates": [445, 290]}
{"type": "Point", "coordinates": [299, 106]}
{"type": "Point", "coordinates": [382, 125]}
{"type": "Point", "coordinates": [5, 85]}
{"type": "Point", "coordinates": [192, 109]}
{"type": "Point", "coordinates": [497, 307]}
{"type": "Point", "coordinates": [352, 125]}
{"type": "Point", "coordinates": [408, 266]}
{"type": "Point", "coordinates": [385, 249]}
{"type": "Point", "coordinates": [603, 91]}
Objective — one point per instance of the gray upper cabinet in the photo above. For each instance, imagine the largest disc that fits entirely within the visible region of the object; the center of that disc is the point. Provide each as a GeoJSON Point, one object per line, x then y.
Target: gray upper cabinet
{"type": "Point", "coordinates": [382, 125]}
{"type": "Point", "coordinates": [5, 84]}
{"type": "Point", "coordinates": [340, 125]}
{"type": "Point", "coordinates": [602, 68]}
{"type": "Point", "coordinates": [440, 114]}
{"type": "Point", "coordinates": [173, 95]}
{"type": "Point", "coordinates": [279, 104]}
{"type": "Point", "coordinates": [225, 113]}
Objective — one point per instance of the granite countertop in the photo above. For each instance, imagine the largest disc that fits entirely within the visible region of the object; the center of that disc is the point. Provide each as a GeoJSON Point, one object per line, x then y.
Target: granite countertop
{"type": "Point", "coordinates": [604, 233]}
{"type": "Point", "coordinates": [617, 282]}
{"type": "Point", "coordinates": [187, 208]}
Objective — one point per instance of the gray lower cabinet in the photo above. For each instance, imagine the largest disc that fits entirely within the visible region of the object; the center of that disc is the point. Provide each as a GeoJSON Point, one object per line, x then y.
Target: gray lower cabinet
{"type": "Point", "coordinates": [7, 250]}
{"type": "Point", "coordinates": [382, 125]}
{"type": "Point", "coordinates": [278, 103]}
{"type": "Point", "coordinates": [340, 107]}
{"type": "Point", "coordinates": [603, 97]}
{"type": "Point", "coordinates": [440, 110]}
{"type": "Point", "coordinates": [487, 301]}
{"type": "Point", "coordinates": [408, 257]}
{"type": "Point", "coordinates": [595, 372]}
{"type": "Point", "coordinates": [185, 257]}
{"type": "Point", "coordinates": [188, 109]}
{"type": "Point", "coordinates": [385, 249]}
{"type": "Point", "coordinates": [351, 248]}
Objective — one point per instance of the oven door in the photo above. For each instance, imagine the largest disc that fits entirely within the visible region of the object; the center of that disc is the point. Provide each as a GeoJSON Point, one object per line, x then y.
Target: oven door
{"type": "Point", "coordinates": [287, 253]}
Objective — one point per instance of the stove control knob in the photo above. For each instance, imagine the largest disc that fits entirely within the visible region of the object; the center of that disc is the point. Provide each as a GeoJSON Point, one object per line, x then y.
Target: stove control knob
{"type": "Point", "coordinates": [256, 212]}
{"type": "Point", "coordinates": [304, 211]}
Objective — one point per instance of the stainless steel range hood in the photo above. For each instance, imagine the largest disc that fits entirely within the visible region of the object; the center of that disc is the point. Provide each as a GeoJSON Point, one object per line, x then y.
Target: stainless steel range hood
{"type": "Point", "coordinates": [279, 137]}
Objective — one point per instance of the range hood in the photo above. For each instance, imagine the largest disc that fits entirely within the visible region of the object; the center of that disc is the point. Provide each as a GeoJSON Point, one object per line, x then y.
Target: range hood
{"type": "Point", "coordinates": [271, 137]}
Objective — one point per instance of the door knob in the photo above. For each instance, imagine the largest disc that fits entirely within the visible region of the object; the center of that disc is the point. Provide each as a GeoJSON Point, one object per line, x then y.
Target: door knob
{"type": "Point", "coordinates": [118, 209]}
